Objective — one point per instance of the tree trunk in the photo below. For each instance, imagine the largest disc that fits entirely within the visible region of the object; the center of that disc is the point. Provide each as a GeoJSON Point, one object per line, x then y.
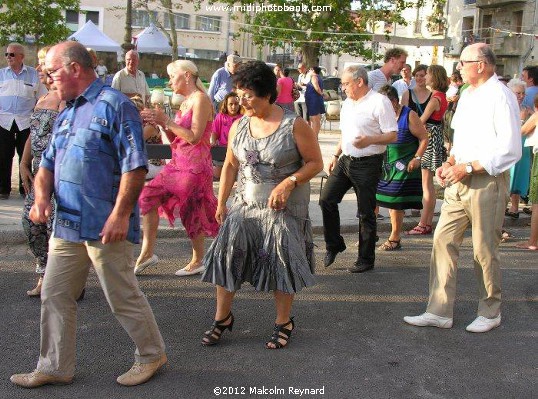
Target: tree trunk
{"type": "Point", "coordinates": [126, 46]}
{"type": "Point", "coordinates": [311, 53]}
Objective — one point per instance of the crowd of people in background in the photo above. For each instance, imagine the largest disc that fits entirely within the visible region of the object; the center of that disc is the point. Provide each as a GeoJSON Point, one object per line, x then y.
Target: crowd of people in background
{"type": "Point", "coordinates": [85, 159]}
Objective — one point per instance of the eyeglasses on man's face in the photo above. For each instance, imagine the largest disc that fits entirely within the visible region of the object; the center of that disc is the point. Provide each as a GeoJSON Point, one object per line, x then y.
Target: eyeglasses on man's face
{"type": "Point", "coordinates": [464, 62]}
{"type": "Point", "coordinates": [50, 72]}
{"type": "Point", "coordinates": [10, 54]}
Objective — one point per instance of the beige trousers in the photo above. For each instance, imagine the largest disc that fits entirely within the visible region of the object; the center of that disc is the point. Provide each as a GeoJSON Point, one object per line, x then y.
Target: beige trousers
{"type": "Point", "coordinates": [478, 200]}
{"type": "Point", "coordinates": [67, 270]}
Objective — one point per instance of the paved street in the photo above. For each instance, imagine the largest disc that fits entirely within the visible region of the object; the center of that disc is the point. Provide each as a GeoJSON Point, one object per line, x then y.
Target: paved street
{"type": "Point", "coordinates": [350, 338]}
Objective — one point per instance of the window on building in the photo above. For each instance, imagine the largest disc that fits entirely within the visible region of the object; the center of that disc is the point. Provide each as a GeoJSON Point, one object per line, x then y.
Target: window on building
{"type": "Point", "coordinates": [208, 23]}
{"type": "Point", "coordinates": [182, 21]}
{"type": "Point", "coordinates": [468, 2]}
{"type": "Point", "coordinates": [518, 21]}
{"type": "Point", "coordinates": [71, 18]}
{"type": "Point", "coordinates": [141, 18]}
{"type": "Point", "coordinates": [207, 54]}
{"type": "Point", "coordinates": [92, 16]}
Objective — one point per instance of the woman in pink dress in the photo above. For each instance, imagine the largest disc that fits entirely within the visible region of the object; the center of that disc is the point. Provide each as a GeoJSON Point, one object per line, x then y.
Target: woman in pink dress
{"type": "Point", "coordinates": [184, 186]}
{"type": "Point", "coordinates": [284, 88]}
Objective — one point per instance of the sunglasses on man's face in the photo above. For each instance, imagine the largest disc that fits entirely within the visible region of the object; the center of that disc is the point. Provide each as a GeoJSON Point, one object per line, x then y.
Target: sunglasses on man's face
{"type": "Point", "coordinates": [10, 55]}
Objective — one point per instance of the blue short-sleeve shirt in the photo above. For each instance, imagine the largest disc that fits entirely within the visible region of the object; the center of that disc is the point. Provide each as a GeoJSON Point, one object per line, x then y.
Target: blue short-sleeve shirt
{"type": "Point", "coordinates": [95, 139]}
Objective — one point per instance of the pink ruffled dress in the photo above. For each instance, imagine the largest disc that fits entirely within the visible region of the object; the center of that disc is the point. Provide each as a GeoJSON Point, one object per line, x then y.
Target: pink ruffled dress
{"type": "Point", "coordinates": [184, 187]}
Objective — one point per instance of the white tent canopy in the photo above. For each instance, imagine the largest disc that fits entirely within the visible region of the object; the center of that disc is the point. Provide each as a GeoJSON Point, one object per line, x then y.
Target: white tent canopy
{"type": "Point", "coordinates": [90, 36]}
{"type": "Point", "coordinates": [152, 40]}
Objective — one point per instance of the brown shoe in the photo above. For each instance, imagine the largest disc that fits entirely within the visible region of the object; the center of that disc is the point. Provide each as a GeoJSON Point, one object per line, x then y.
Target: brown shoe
{"type": "Point", "coordinates": [141, 372]}
{"type": "Point", "coordinates": [36, 379]}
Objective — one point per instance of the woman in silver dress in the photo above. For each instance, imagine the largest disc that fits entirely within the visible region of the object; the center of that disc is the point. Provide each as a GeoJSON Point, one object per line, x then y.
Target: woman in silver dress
{"type": "Point", "coordinates": [266, 235]}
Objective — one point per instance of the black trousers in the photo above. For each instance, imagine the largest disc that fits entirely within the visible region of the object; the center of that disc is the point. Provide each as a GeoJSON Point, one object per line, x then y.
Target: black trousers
{"type": "Point", "coordinates": [11, 140]}
{"type": "Point", "coordinates": [363, 175]}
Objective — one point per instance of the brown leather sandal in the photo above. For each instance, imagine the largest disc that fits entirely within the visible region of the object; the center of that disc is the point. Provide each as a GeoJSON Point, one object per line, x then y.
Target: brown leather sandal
{"type": "Point", "coordinates": [390, 245]}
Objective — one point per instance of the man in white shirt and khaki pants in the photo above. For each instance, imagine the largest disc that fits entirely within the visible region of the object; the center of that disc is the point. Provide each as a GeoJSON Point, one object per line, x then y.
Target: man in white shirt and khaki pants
{"type": "Point", "coordinates": [487, 142]}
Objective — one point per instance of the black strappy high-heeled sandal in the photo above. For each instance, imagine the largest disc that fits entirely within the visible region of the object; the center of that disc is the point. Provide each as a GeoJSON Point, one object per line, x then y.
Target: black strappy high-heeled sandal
{"type": "Point", "coordinates": [281, 333]}
{"type": "Point", "coordinates": [212, 336]}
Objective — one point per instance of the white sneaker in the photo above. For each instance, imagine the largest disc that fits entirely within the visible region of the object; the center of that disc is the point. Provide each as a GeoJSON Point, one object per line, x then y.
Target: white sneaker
{"type": "Point", "coordinates": [482, 324]}
{"type": "Point", "coordinates": [429, 320]}
{"type": "Point", "coordinates": [183, 272]}
{"type": "Point", "coordinates": [150, 262]}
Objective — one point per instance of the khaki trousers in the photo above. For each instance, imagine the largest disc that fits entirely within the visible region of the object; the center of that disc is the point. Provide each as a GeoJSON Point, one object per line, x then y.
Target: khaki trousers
{"type": "Point", "coordinates": [67, 270]}
{"type": "Point", "coordinates": [479, 200]}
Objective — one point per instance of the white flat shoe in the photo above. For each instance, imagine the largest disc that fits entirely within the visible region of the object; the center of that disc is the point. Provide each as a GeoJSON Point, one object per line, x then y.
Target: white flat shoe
{"type": "Point", "coordinates": [482, 324]}
{"type": "Point", "coordinates": [150, 262]}
{"type": "Point", "coordinates": [183, 272]}
{"type": "Point", "coordinates": [429, 320]}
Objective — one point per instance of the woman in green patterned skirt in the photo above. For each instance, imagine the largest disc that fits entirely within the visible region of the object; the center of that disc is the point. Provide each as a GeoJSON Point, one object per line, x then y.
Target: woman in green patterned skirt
{"type": "Point", "coordinates": [400, 186]}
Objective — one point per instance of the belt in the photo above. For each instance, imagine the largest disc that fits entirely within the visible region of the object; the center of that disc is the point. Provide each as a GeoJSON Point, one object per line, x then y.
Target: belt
{"type": "Point", "coordinates": [364, 158]}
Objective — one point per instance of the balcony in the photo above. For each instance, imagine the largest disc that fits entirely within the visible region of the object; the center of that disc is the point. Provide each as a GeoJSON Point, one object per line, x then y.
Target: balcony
{"type": "Point", "coordinates": [497, 3]}
{"type": "Point", "coordinates": [508, 46]}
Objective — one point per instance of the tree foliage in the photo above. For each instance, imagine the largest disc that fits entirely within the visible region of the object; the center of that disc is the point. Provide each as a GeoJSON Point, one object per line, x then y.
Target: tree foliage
{"type": "Point", "coordinates": [320, 26]}
{"type": "Point", "coordinates": [41, 21]}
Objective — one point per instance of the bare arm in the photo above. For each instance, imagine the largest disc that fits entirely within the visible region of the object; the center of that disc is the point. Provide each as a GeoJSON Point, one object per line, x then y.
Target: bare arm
{"type": "Point", "coordinates": [117, 224]}
{"type": "Point", "coordinates": [335, 157]}
{"type": "Point", "coordinates": [44, 184]}
{"type": "Point", "coordinates": [433, 105]}
{"type": "Point", "coordinates": [25, 167]}
{"type": "Point", "coordinates": [418, 130]}
{"type": "Point", "coordinates": [382, 139]}
{"type": "Point", "coordinates": [315, 83]}
{"type": "Point", "coordinates": [529, 126]}
{"type": "Point", "coordinates": [202, 112]}
{"type": "Point", "coordinates": [405, 98]}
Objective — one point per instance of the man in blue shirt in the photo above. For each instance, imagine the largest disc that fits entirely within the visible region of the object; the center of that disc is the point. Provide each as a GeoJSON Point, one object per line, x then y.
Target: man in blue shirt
{"type": "Point", "coordinates": [221, 81]}
{"type": "Point", "coordinates": [19, 90]}
{"type": "Point", "coordinates": [96, 165]}
{"type": "Point", "coordinates": [530, 76]}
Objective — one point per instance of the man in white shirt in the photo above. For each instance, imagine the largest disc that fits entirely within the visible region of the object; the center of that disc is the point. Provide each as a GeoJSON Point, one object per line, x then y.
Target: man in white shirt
{"type": "Point", "coordinates": [487, 142]}
{"type": "Point", "coordinates": [302, 80]}
{"type": "Point", "coordinates": [368, 123]}
{"type": "Point", "coordinates": [407, 82]}
{"type": "Point", "coordinates": [130, 80]}
{"type": "Point", "coordinates": [20, 88]}
{"type": "Point", "coordinates": [101, 70]}
{"type": "Point", "coordinates": [394, 62]}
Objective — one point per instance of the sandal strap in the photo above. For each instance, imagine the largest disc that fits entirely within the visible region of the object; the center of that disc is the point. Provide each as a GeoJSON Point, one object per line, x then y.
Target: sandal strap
{"type": "Point", "coordinates": [217, 328]}
{"type": "Point", "coordinates": [281, 333]}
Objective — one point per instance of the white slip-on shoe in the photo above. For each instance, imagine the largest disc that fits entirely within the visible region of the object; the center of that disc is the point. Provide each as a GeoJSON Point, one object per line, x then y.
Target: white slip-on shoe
{"type": "Point", "coordinates": [482, 324]}
{"type": "Point", "coordinates": [183, 272]}
{"type": "Point", "coordinates": [429, 320]}
{"type": "Point", "coordinates": [150, 262]}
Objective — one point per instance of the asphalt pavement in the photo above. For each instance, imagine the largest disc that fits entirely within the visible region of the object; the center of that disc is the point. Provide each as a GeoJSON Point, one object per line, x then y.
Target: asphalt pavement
{"type": "Point", "coordinates": [349, 342]}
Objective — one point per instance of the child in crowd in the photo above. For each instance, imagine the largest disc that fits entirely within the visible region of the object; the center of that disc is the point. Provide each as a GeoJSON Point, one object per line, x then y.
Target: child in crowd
{"type": "Point", "coordinates": [229, 111]}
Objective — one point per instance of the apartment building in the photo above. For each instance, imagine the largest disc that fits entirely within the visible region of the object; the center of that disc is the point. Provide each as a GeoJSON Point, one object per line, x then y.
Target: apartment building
{"type": "Point", "coordinates": [509, 26]}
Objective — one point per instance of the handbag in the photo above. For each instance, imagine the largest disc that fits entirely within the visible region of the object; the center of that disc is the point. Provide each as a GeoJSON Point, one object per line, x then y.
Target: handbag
{"type": "Point", "coordinates": [295, 93]}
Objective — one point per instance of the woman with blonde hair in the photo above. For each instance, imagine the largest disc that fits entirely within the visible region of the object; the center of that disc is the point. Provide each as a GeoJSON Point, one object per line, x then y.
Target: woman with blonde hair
{"type": "Point", "coordinates": [184, 187]}
{"type": "Point", "coordinates": [42, 120]}
{"type": "Point", "coordinates": [435, 155]}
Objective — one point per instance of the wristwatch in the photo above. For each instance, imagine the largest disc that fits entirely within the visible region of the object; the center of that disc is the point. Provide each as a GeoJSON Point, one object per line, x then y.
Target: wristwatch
{"type": "Point", "coordinates": [293, 178]}
{"type": "Point", "coordinates": [469, 168]}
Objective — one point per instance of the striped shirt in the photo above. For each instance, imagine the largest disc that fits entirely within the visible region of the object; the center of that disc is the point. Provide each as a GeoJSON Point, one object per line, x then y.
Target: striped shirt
{"type": "Point", "coordinates": [18, 96]}
{"type": "Point", "coordinates": [376, 79]}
